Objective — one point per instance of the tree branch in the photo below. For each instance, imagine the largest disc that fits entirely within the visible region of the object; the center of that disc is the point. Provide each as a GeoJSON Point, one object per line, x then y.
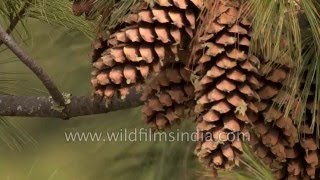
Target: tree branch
{"type": "Point", "coordinates": [31, 64]}
{"type": "Point", "coordinates": [28, 106]}
{"type": "Point", "coordinates": [17, 18]}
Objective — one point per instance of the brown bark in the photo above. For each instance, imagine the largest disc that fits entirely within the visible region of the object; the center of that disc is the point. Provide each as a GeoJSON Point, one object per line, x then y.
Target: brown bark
{"type": "Point", "coordinates": [33, 106]}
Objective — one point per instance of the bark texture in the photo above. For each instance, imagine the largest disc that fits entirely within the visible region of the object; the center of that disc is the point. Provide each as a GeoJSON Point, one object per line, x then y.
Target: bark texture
{"type": "Point", "coordinates": [33, 106]}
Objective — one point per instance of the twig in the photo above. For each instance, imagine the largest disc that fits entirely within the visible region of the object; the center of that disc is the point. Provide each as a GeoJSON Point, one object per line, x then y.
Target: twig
{"type": "Point", "coordinates": [31, 64]}
{"type": "Point", "coordinates": [30, 106]}
{"type": "Point", "coordinates": [17, 18]}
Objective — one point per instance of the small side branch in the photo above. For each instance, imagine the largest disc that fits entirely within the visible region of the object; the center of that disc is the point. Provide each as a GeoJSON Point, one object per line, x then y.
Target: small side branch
{"type": "Point", "coordinates": [31, 64]}
{"type": "Point", "coordinates": [18, 17]}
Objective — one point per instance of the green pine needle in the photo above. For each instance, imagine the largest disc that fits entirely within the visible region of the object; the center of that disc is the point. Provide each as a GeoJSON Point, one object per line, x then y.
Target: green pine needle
{"type": "Point", "coordinates": [54, 12]}
{"type": "Point", "coordinates": [250, 168]}
{"type": "Point", "coordinates": [13, 135]}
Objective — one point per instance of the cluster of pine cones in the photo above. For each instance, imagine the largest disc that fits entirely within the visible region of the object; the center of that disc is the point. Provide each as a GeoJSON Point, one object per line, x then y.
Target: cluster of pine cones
{"type": "Point", "coordinates": [228, 90]}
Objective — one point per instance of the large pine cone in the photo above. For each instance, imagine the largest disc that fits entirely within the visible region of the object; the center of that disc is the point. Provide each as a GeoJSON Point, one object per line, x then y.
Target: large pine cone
{"type": "Point", "coordinates": [225, 87]}
{"type": "Point", "coordinates": [168, 97]}
{"type": "Point", "coordinates": [150, 37]}
{"type": "Point", "coordinates": [275, 139]}
{"type": "Point", "coordinates": [303, 162]}
{"type": "Point", "coordinates": [275, 131]}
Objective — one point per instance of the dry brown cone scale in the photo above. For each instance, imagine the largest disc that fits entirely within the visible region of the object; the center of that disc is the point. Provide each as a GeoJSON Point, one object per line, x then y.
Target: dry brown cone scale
{"type": "Point", "coordinates": [275, 139]}
{"type": "Point", "coordinates": [308, 141]}
{"type": "Point", "coordinates": [149, 38]}
{"type": "Point", "coordinates": [168, 97]}
{"type": "Point", "coordinates": [224, 85]}
{"type": "Point", "coordinates": [309, 155]}
{"type": "Point", "coordinates": [300, 161]}
{"type": "Point", "coordinates": [304, 160]}
{"type": "Point", "coordinates": [275, 132]}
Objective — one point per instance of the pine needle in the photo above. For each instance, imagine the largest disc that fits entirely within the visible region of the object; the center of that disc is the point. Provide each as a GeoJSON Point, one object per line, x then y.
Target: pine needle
{"type": "Point", "coordinates": [59, 12]}
{"type": "Point", "coordinates": [54, 12]}
{"type": "Point", "coordinates": [311, 62]}
{"type": "Point", "coordinates": [111, 13]}
{"type": "Point", "coordinates": [250, 168]}
{"type": "Point", "coordinates": [13, 135]}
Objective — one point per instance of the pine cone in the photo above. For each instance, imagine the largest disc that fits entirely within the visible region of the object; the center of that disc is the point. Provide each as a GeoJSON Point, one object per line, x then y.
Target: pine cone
{"type": "Point", "coordinates": [277, 132]}
{"type": "Point", "coordinates": [225, 86]}
{"type": "Point", "coordinates": [151, 37]}
{"type": "Point", "coordinates": [168, 97]}
{"type": "Point", "coordinates": [304, 162]}
{"type": "Point", "coordinates": [276, 141]}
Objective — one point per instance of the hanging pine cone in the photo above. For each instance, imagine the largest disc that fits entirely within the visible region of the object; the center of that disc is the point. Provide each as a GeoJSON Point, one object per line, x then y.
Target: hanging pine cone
{"type": "Point", "coordinates": [276, 132]}
{"type": "Point", "coordinates": [275, 138]}
{"type": "Point", "coordinates": [168, 97]}
{"type": "Point", "coordinates": [150, 37]}
{"type": "Point", "coordinates": [310, 152]}
{"type": "Point", "coordinates": [225, 86]}
{"type": "Point", "coordinates": [304, 160]}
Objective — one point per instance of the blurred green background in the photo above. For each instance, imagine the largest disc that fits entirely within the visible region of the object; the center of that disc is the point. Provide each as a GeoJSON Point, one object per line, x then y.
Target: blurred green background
{"type": "Point", "coordinates": [63, 53]}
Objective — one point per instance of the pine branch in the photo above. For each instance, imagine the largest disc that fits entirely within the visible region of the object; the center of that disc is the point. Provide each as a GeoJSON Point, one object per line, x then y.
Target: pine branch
{"type": "Point", "coordinates": [18, 17]}
{"type": "Point", "coordinates": [32, 106]}
{"type": "Point", "coordinates": [15, 20]}
{"type": "Point", "coordinates": [31, 64]}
